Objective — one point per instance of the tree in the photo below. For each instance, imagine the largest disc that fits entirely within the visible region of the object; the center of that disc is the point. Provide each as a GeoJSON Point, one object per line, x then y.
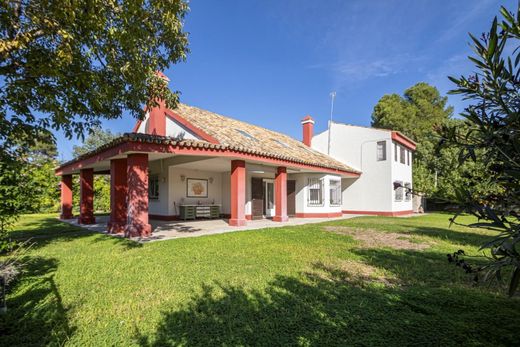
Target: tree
{"type": "Point", "coordinates": [95, 139]}
{"type": "Point", "coordinates": [67, 64]}
{"type": "Point", "coordinates": [493, 137]}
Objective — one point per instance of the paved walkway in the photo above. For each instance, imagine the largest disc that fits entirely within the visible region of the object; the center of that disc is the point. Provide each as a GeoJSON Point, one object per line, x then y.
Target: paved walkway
{"type": "Point", "coordinates": [163, 230]}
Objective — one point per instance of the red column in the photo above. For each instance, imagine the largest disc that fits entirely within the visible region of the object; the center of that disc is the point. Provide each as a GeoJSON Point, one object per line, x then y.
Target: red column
{"type": "Point", "coordinates": [86, 196]}
{"type": "Point", "coordinates": [137, 210]}
{"type": "Point", "coordinates": [66, 197]}
{"type": "Point", "coordinates": [118, 193]}
{"type": "Point", "coordinates": [238, 193]}
{"type": "Point", "coordinates": [280, 195]}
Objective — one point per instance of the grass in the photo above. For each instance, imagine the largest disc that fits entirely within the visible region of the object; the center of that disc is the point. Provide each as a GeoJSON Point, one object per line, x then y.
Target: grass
{"type": "Point", "coordinates": [297, 285]}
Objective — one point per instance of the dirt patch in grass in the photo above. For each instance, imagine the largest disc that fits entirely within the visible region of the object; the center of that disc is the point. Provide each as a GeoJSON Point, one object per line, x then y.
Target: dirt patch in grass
{"type": "Point", "coordinates": [355, 273]}
{"type": "Point", "coordinates": [371, 238]}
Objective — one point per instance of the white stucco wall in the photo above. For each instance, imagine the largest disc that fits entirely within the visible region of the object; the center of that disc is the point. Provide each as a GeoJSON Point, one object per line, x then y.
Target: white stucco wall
{"type": "Point", "coordinates": [302, 192]}
{"type": "Point", "coordinates": [401, 172]}
{"type": "Point", "coordinates": [173, 128]}
{"type": "Point", "coordinates": [178, 188]}
{"type": "Point", "coordinates": [357, 147]}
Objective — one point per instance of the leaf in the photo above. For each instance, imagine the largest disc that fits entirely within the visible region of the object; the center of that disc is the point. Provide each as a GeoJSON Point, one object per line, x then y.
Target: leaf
{"type": "Point", "coordinates": [515, 280]}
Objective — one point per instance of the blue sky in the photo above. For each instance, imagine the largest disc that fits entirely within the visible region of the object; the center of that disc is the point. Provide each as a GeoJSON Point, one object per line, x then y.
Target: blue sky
{"type": "Point", "coordinates": [271, 63]}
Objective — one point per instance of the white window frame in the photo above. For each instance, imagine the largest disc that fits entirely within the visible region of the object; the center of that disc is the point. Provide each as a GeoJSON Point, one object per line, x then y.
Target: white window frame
{"type": "Point", "coordinates": [335, 192]}
{"type": "Point", "coordinates": [398, 192]}
{"type": "Point", "coordinates": [402, 155]}
{"type": "Point", "coordinates": [381, 150]}
{"type": "Point", "coordinates": [408, 191]}
{"type": "Point", "coordinates": [315, 184]}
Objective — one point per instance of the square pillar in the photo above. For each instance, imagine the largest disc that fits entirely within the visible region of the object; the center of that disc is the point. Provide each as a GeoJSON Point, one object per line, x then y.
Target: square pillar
{"type": "Point", "coordinates": [280, 195]}
{"type": "Point", "coordinates": [118, 195]}
{"type": "Point", "coordinates": [238, 193]}
{"type": "Point", "coordinates": [86, 196]}
{"type": "Point", "coordinates": [66, 197]}
{"type": "Point", "coordinates": [137, 208]}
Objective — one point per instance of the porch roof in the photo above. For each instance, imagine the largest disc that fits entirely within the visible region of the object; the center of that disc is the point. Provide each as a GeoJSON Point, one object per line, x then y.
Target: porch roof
{"type": "Point", "coordinates": [137, 142]}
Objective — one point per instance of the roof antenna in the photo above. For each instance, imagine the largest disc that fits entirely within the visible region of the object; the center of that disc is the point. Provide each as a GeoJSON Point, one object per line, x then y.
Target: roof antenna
{"type": "Point", "coordinates": [333, 96]}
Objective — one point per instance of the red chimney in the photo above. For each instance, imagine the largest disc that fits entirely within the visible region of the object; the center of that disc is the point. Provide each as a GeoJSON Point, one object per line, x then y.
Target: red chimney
{"type": "Point", "coordinates": [308, 130]}
{"type": "Point", "coordinates": [157, 120]}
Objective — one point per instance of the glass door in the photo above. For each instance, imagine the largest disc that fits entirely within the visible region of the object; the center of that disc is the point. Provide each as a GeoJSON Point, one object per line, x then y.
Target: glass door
{"type": "Point", "coordinates": [269, 198]}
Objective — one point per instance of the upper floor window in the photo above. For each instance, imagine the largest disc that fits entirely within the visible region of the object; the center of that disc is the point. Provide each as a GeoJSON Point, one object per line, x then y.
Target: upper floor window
{"type": "Point", "coordinates": [396, 148]}
{"type": "Point", "coordinates": [335, 192]}
{"type": "Point", "coordinates": [315, 197]}
{"type": "Point", "coordinates": [402, 155]}
{"type": "Point", "coordinates": [409, 157]}
{"type": "Point", "coordinates": [381, 150]}
{"type": "Point", "coordinates": [398, 191]}
{"type": "Point", "coordinates": [153, 187]}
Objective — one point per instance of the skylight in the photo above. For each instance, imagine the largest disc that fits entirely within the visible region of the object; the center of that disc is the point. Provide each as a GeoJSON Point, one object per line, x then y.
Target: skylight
{"type": "Point", "coordinates": [281, 143]}
{"type": "Point", "coordinates": [246, 134]}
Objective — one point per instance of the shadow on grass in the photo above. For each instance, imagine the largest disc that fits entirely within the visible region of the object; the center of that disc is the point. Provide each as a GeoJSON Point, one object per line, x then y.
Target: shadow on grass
{"type": "Point", "coordinates": [36, 315]}
{"type": "Point", "coordinates": [413, 226]}
{"type": "Point", "coordinates": [323, 307]}
{"type": "Point", "coordinates": [48, 230]}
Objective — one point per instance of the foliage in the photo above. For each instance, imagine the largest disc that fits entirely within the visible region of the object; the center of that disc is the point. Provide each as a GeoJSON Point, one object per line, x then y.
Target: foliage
{"type": "Point", "coordinates": [493, 137]}
{"type": "Point", "coordinates": [419, 114]}
{"type": "Point", "coordinates": [278, 286]}
{"type": "Point", "coordinates": [67, 64]}
{"type": "Point", "coordinates": [97, 137]}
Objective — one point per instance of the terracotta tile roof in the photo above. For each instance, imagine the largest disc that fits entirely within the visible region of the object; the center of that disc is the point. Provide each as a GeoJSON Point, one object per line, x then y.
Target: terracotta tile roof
{"type": "Point", "coordinates": [236, 134]}
{"type": "Point", "coordinates": [232, 135]}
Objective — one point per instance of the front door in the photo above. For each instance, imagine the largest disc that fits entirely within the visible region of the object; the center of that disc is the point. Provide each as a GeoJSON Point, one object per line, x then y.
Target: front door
{"type": "Point", "coordinates": [269, 198]}
{"type": "Point", "coordinates": [291, 198]}
{"type": "Point", "coordinates": [257, 198]}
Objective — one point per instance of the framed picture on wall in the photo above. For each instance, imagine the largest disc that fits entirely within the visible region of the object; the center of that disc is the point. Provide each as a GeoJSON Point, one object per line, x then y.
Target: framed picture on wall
{"type": "Point", "coordinates": [196, 188]}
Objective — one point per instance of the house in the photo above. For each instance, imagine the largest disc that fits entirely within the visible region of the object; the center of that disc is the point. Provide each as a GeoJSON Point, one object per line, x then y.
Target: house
{"type": "Point", "coordinates": [385, 159]}
{"type": "Point", "coordinates": [186, 158]}
{"type": "Point", "coordinates": [188, 162]}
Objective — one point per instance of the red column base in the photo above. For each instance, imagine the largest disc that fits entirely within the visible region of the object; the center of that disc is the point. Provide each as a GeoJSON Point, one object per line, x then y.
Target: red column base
{"type": "Point", "coordinates": [280, 218]}
{"type": "Point", "coordinates": [138, 230]}
{"type": "Point", "coordinates": [116, 228]}
{"type": "Point", "coordinates": [66, 216]}
{"type": "Point", "coordinates": [237, 222]}
{"type": "Point", "coordinates": [86, 220]}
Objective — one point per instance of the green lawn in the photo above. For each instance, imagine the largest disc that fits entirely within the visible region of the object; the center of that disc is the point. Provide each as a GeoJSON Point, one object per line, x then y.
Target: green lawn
{"type": "Point", "coordinates": [285, 286]}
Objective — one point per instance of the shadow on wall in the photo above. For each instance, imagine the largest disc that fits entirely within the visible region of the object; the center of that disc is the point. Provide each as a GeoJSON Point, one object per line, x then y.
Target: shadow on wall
{"type": "Point", "coordinates": [329, 306]}
{"type": "Point", "coordinates": [35, 308]}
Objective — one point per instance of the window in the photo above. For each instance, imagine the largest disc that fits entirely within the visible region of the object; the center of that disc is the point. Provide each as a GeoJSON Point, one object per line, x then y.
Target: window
{"type": "Point", "coordinates": [246, 134]}
{"type": "Point", "coordinates": [408, 191]}
{"type": "Point", "coordinates": [335, 192]}
{"type": "Point", "coordinates": [398, 191]}
{"type": "Point", "coordinates": [395, 151]}
{"type": "Point", "coordinates": [402, 155]}
{"type": "Point", "coordinates": [315, 197]}
{"type": "Point", "coordinates": [381, 150]}
{"type": "Point", "coordinates": [409, 156]}
{"type": "Point", "coordinates": [153, 187]}
{"type": "Point", "coordinates": [281, 143]}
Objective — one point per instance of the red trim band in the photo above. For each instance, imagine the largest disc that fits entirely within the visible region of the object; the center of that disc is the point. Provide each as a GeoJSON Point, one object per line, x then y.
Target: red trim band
{"type": "Point", "coordinates": [145, 147]}
{"type": "Point", "coordinates": [403, 140]}
{"type": "Point", "coordinates": [319, 215]}
{"type": "Point", "coordinates": [381, 213]}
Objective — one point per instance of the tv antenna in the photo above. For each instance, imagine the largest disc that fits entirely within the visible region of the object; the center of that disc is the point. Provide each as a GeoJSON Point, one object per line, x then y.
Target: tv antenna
{"type": "Point", "coordinates": [333, 96]}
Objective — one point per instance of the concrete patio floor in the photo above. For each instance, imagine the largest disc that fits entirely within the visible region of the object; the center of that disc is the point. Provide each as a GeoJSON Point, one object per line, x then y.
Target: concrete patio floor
{"type": "Point", "coordinates": [167, 230]}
